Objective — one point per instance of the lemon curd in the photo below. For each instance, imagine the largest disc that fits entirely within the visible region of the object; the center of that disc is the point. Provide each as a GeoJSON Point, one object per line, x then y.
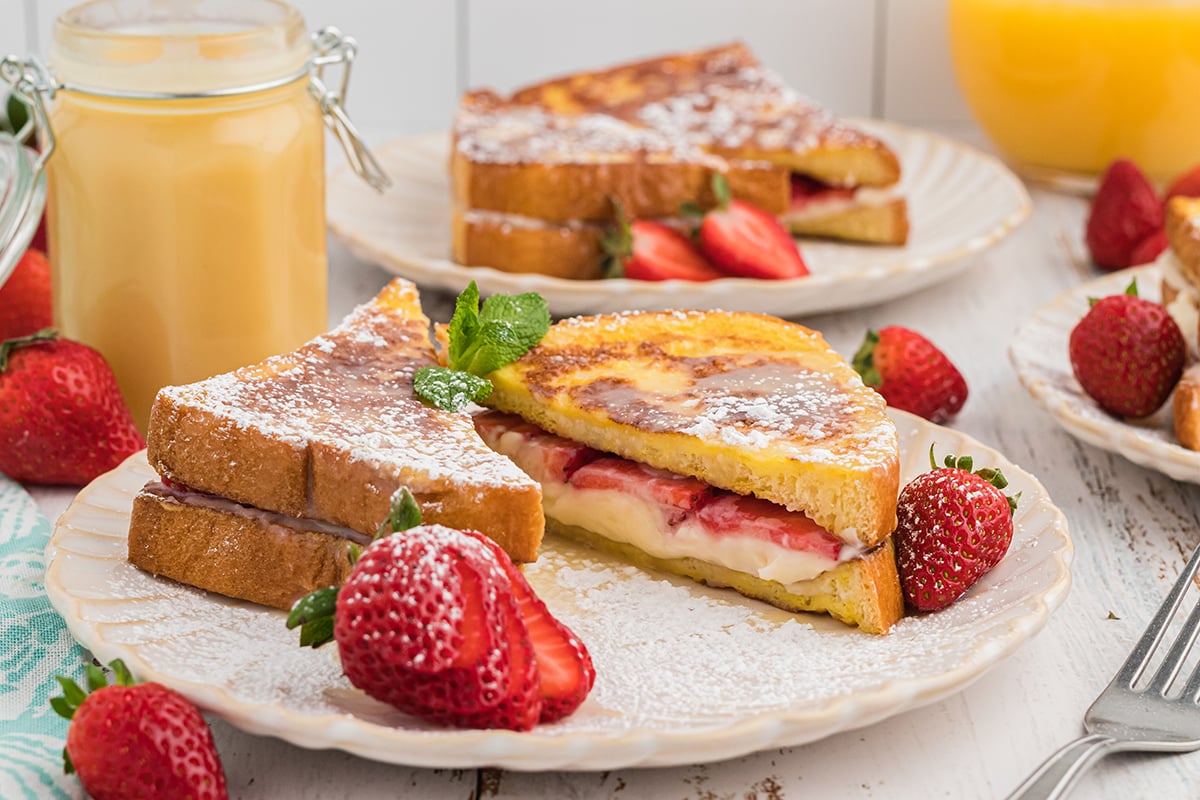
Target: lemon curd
{"type": "Point", "coordinates": [1069, 85]}
{"type": "Point", "coordinates": [186, 233]}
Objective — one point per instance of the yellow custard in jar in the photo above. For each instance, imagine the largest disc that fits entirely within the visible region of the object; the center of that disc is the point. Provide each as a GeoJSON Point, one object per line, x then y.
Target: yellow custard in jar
{"type": "Point", "coordinates": [186, 207]}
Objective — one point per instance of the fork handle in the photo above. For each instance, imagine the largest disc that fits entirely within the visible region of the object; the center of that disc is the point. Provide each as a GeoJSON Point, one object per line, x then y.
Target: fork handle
{"type": "Point", "coordinates": [1061, 770]}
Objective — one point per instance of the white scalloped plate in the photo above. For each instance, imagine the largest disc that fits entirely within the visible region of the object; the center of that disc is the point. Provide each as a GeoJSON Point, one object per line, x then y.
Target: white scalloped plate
{"type": "Point", "coordinates": [960, 202]}
{"type": "Point", "coordinates": [685, 673]}
{"type": "Point", "coordinates": [1039, 353]}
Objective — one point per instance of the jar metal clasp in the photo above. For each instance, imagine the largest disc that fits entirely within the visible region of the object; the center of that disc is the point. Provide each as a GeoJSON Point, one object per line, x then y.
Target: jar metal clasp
{"type": "Point", "coordinates": [33, 83]}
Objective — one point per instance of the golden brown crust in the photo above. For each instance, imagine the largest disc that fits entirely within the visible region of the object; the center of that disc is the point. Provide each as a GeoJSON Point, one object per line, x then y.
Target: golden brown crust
{"type": "Point", "coordinates": [885, 223]}
{"type": "Point", "coordinates": [486, 241]}
{"type": "Point", "coordinates": [745, 402]}
{"type": "Point", "coordinates": [864, 591]}
{"type": "Point", "coordinates": [1185, 405]}
{"type": "Point", "coordinates": [332, 430]}
{"type": "Point", "coordinates": [234, 555]}
{"type": "Point", "coordinates": [562, 193]}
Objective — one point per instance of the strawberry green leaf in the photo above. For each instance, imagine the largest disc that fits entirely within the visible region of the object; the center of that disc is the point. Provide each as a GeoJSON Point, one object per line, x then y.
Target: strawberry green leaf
{"type": "Point", "coordinates": [720, 188]}
{"type": "Point", "coordinates": [690, 209]}
{"type": "Point", "coordinates": [1132, 289]}
{"type": "Point", "coordinates": [72, 694]}
{"type": "Point", "coordinates": [314, 605]}
{"type": "Point", "coordinates": [123, 676]}
{"type": "Point", "coordinates": [404, 514]}
{"type": "Point", "coordinates": [449, 389]}
{"type": "Point", "coordinates": [68, 767]}
{"type": "Point", "coordinates": [864, 360]}
{"type": "Point", "coordinates": [317, 632]}
{"type": "Point", "coordinates": [6, 347]}
{"type": "Point", "coordinates": [96, 678]}
{"type": "Point", "coordinates": [63, 707]}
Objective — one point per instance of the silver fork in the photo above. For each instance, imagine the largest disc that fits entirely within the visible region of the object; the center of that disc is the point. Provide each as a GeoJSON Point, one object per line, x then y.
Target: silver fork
{"type": "Point", "coordinates": [1124, 718]}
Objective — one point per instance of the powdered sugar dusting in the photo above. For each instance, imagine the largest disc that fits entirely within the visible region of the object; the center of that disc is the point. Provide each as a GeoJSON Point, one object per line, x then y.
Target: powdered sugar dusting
{"type": "Point", "coordinates": [724, 101]}
{"type": "Point", "coordinates": [351, 390]}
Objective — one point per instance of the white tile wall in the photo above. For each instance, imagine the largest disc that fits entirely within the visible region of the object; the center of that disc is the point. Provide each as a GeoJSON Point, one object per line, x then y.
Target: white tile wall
{"type": "Point", "coordinates": [859, 57]}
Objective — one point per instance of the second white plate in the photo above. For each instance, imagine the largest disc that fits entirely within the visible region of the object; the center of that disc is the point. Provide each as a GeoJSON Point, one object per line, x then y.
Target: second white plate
{"type": "Point", "coordinates": [685, 673]}
{"type": "Point", "coordinates": [960, 202]}
{"type": "Point", "coordinates": [1040, 355]}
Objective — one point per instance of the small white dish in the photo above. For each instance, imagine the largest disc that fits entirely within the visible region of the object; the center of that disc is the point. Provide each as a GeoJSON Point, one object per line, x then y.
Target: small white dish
{"type": "Point", "coordinates": [960, 201]}
{"type": "Point", "coordinates": [1039, 353]}
{"type": "Point", "coordinates": [685, 673]}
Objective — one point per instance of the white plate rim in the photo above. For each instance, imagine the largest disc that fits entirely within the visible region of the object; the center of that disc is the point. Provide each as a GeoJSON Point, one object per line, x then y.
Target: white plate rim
{"type": "Point", "coordinates": [1043, 371]}
{"type": "Point", "coordinates": [540, 750]}
{"type": "Point", "coordinates": [894, 274]}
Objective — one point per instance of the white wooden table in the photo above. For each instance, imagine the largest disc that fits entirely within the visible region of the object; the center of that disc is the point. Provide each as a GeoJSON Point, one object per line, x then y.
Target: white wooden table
{"type": "Point", "coordinates": [1133, 529]}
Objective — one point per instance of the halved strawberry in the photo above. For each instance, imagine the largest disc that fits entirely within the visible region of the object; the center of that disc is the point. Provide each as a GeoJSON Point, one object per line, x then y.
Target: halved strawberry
{"type": "Point", "coordinates": [679, 494]}
{"type": "Point", "coordinates": [750, 516]}
{"type": "Point", "coordinates": [651, 251]}
{"type": "Point", "coordinates": [744, 240]}
{"type": "Point", "coordinates": [565, 673]}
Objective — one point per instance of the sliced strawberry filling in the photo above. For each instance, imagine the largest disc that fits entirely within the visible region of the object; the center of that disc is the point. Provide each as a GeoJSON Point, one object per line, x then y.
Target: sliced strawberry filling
{"type": "Point", "coordinates": [678, 494]}
{"type": "Point", "coordinates": [687, 506]}
{"type": "Point", "coordinates": [806, 191]}
{"type": "Point", "coordinates": [751, 516]}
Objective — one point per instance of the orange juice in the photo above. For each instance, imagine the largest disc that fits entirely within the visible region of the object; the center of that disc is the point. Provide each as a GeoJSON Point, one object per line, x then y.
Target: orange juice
{"type": "Point", "coordinates": [1066, 86]}
{"type": "Point", "coordinates": [187, 234]}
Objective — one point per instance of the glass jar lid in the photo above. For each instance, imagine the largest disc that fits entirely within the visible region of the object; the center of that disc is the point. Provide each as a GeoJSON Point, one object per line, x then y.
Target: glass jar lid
{"type": "Point", "coordinates": [22, 197]}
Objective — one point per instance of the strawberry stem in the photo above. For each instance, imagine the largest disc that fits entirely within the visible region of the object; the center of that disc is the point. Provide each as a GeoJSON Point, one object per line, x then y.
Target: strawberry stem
{"type": "Point", "coordinates": [617, 241]}
{"type": "Point", "coordinates": [992, 475]}
{"type": "Point", "coordinates": [6, 347]}
{"type": "Point", "coordinates": [720, 188]}
{"type": "Point", "coordinates": [404, 514]}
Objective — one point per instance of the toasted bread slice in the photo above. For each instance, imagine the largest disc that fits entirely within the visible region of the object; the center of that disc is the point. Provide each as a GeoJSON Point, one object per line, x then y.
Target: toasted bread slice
{"type": "Point", "coordinates": [874, 223]}
{"type": "Point", "coordinates": [332, 430]}
{"type": "Point", "coordinates": [742, 401]}
{"type": "Point", "coordinates": [1183, 236]}
{"type": "Point", "coordinates": [724, 100]}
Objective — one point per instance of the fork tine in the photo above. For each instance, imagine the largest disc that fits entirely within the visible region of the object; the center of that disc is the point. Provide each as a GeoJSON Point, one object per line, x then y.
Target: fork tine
{"type": "Point", "coordinates": [1133, 667]}
{"type": "Point", "coordinates": [1169, 669]}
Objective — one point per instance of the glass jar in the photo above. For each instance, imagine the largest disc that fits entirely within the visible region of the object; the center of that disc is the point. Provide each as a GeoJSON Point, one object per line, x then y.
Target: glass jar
{"type": "Point", "coordinates": [1064, 87]}
{"type": "Point", "coordinates": [185, 182]}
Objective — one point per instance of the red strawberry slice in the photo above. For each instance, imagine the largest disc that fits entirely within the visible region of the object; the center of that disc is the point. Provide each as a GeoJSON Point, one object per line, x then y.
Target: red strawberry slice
{"type": "Point", "coordinates": [1125, 211]}
{"type": "Point", "coordinates": [677, 493]}
{"type": "Point", "coordinates": [729, 514]}
{"type": "Point", "coordinates": [806, 191]}
{"type": "Point", "coordinates": [545, 457]}
{"type": "Point", "coordinates": [660, 253]}
{"type": "Point", "coordinates": [747, 241]}
{"type": "Point", "coordinates": [565, 673]}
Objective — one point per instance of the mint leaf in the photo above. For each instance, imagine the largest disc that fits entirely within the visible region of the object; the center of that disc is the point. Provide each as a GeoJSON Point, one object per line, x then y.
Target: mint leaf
{"type": "Point", "coordinates": [527, 313]}
{"type": "Point", "coordinates": [464, 325]}
{"type": "Point", "coordinates": [450, 389]}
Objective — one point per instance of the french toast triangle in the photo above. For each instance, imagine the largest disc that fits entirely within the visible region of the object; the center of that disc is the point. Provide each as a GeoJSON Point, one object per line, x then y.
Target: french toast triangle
{"type": "Point", "coordinates": [534, 174]}
{"type": "Point", "coordinates": [272, 470]}
{"type": "Point", "coordinates": [734, 448]}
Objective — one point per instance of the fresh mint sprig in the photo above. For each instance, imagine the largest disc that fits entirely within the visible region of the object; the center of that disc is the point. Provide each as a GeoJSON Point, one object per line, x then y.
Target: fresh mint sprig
{"type": "Point", "coordinates": [482, 340]}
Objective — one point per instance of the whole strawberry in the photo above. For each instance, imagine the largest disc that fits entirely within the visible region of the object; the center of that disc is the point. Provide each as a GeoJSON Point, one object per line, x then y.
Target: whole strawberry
{"type": "Point", "coordinates": [25, 297]}
{"type": "Point", "coordinates": [911, 373]}
{"type": "Point", "coordinates": [440, 624]}
{"type": "Point", "coordinates": [952, 526]}
{"type": "Point", "coordinates": [1125, 220]}
{"type": "Point", "coordinates": [62, 417]}
{"type": "Point", "coordinates": [137, 740]}
{"type": "Point", "coordinates": [1127, 353]}
{"type": "Point", "coordinates": [1186, 185]}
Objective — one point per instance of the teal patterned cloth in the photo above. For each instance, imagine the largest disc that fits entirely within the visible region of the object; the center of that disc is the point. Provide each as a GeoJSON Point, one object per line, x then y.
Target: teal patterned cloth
{"type": "Point", "coordinates": [34, 646]}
